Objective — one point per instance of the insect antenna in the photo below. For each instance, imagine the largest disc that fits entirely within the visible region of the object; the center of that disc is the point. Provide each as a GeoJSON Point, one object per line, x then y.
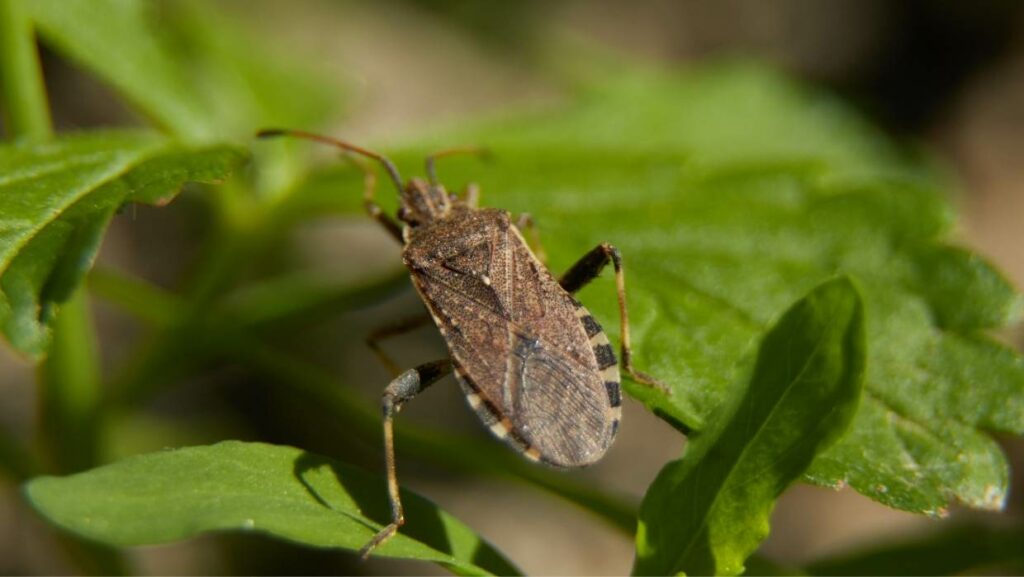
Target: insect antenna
{"type": "Point", "coordinates": [388, 165]}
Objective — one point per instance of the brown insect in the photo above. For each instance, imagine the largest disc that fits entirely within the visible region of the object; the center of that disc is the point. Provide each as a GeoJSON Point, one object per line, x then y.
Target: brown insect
{"type": "Point", "coordinates": [533, 363]}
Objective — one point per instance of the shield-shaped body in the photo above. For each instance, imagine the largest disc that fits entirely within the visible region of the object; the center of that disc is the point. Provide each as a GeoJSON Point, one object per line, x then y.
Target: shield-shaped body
{"type": "Point", "coordinates": [534, 364]}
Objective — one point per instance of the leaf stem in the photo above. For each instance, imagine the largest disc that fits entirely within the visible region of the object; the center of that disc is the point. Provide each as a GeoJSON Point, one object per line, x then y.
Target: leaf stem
{"type": "Point", "coordinates": [151, 304]}
{"type": "Point", "coordinates": [21, 80]}
{"type": "Point", "coordinates": [69, 379]}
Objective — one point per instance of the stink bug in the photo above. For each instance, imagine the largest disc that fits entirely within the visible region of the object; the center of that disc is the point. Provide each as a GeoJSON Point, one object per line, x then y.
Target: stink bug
{"type": "Point", "coordinates": [533, 363]}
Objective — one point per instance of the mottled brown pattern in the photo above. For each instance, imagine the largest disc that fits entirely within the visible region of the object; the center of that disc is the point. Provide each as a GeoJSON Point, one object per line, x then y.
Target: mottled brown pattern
{"type": "Point", "coordinates": [515, 335]}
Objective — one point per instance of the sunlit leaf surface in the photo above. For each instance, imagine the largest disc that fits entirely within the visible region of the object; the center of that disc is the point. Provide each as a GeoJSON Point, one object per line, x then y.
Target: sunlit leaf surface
{"type": "Point", "coordinates": [732, 192]}
{"type": "Point", "coordinates": [305, 498]}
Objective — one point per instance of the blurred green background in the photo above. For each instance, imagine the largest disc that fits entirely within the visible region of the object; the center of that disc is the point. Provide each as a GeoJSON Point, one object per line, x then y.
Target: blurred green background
{"type": "Point", "coordinates": [943, 76]}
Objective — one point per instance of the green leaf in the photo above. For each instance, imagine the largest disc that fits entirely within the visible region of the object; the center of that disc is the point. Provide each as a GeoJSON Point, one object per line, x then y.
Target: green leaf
{"type": "Point", "coordinates": [731, 192]}
{"type": "Point", "coordinates": [281, 491]}
{"type": "Point", "coordinates": [184, 65]}
{"type": "Point", "coordinates": [971, 549]}
{"type": "Point", "coordinates": [707, 512]}
{"type": "Point", "coordinates": [56, 200]}
{"type": "Point", "coordinates": [721, 116]}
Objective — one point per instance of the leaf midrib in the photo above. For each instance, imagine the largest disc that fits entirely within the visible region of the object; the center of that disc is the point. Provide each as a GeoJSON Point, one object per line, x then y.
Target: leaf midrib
{"type": "Point", "coordinates": [753, 439]}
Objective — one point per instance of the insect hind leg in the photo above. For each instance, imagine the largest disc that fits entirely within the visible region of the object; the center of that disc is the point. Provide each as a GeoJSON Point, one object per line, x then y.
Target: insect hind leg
{"type": "Point", "coordinates": [398, 392]}
{"type": "Point", "coordinates": [587, 269]}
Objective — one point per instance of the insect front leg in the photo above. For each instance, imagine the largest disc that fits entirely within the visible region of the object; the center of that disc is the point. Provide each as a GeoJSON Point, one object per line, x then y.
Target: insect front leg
{"type": "Point", "coordinates": [526, 224]}
{"type": "Point", "coordinates": [587, 269]}
{"type": "Point", "coordinates": [398, 392]}
{"type": "Point", "coordinates": [370, 204]}
{"type": "Point", "coordinates": [369, 177]}
{"type": "Point", "coordinates": [393, 330]}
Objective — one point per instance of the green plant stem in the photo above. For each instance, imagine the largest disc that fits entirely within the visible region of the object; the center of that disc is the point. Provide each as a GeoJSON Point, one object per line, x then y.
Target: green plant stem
{"type": "Point", "coordinates": [175, 350]}
{"type": "Point", "coordinates": [69, 379]}
{"type": "Point", "coordinates": [21, 82]}
{"type": "Point", "coordinates": [151, 304]}
{"type": "Point", "coordinates": [287, 303]}
{"type": "Point", "coordinates": [226, 257]}
{"type": "Point", "coordinates": [183, 343]}
{"type": "Point", "coordinates": [70, 390]}
{"type": "Point", "coordinates": [244, 227]}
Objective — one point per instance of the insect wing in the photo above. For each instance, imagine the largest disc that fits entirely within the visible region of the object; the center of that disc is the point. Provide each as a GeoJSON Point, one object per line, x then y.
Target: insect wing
{"type": "Point", "coordinates": [559, 407]}
{"type": "Point", "coordinates": [521, 349]}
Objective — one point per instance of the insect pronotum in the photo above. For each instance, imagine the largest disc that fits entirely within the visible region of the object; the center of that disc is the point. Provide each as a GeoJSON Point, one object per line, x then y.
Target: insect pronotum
{"type": "Point", "coordinates": [533, 363]}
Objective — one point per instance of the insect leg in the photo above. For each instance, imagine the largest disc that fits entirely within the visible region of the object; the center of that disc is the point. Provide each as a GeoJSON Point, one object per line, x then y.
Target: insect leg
{"type": "Point", "coordinates": [587, 269]}
{"type": "Point", "coordinates": [393, 330]}
{"type": "Point", "coordinates": [370, 204]}
{"type": "Point", "coordinates": [525, 223]}
{"type": "Point", "coordinates": [398, 392]}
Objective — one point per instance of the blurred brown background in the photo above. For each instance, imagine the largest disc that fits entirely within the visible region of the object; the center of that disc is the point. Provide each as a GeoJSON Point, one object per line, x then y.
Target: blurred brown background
{"type": "Point", "coordinates": [944, 75]}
